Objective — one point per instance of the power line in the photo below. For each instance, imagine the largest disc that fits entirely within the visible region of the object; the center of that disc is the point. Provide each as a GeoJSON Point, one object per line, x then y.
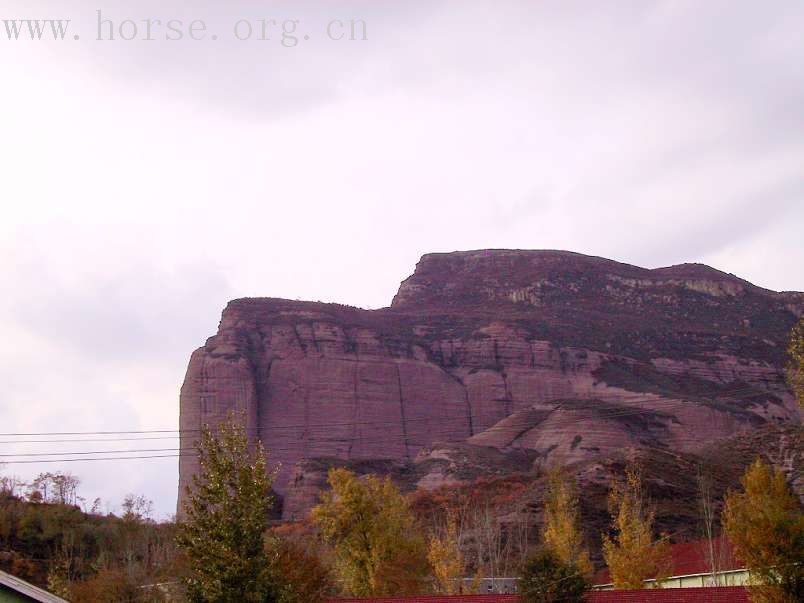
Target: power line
{"type": "Point", "coordinates": [96, 452]}
{"type": "Point", "coordinates": [409, 438]}
{"type": "Point", "coordinates": [125, 458]}
{"type": "Point", "coordinates": [636, 398]}
{"type": "Point", "coordinates": [658, 407]}
{"type": "Point", "coordinates": [302, 446]}
{"type": "Point", "coordinates": [72, 433]}
{"type": "Point", "coordinates": [64, 441]}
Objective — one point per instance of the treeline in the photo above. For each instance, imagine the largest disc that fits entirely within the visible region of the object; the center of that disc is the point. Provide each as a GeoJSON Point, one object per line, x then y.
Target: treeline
{"type": "Point", "coordinates": [82, 554]}
{"type": "Point", "coordinates": [366, 538]}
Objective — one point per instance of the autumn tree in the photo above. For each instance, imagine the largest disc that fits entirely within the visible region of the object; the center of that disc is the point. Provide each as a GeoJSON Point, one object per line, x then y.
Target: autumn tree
{"type": "Point", "coordinates": [378, 547]}
{"type": "Point", "coordinates": [562, 526]}
{"type": "Point", "coordinates": [226, 518]}
{"type": "Point", "coordinates": [633, 555]}
{"type": "Point", "coordinates": [547, 579]}
{"type": "Point", "coordinates": [795, 367]}
{"type": "Point", "coordinates": [766, 525]}
{"type": "Point", "coordinates": [301, 576]}
{"type": "Point", "coordinates": [445, 557]}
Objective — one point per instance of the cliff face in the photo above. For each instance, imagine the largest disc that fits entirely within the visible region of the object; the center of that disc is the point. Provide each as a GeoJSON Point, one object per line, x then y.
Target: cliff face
{"type": "Point", "coordinates": [552, 354]}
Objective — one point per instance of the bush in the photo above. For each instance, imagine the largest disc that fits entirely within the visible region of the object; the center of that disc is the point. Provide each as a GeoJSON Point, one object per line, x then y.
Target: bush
{"type": "Point", "coordinates": [301, 576]}
{"type": "Point", "coordinates": [546, 579]}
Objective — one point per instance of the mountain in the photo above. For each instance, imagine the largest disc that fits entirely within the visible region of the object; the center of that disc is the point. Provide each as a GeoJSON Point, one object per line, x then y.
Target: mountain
{"type": "Point", "coordinates": [513, 358]}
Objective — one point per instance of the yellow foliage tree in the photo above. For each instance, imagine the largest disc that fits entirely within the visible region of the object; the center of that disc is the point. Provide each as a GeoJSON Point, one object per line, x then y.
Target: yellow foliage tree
{"type": "Point", "coordinates": [633, 555]}
{"type": "Point", "coordinates": [795, 369]}
{"type": "Point", "coordinates": [562, 526]}
{"type": "Point", "coordinates": [377, 543]}
{"type": "Point", "coordinates": [446, 558]}
{"type": "Point", "coordinates": [766, 525]}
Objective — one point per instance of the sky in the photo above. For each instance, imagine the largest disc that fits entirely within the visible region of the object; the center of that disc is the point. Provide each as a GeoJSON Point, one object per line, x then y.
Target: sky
{"type": "Point", "coordinates": [144, 183]}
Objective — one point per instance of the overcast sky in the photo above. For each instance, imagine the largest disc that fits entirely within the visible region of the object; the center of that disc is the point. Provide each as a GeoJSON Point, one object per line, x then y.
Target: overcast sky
{"type": "Point", "coordinates": [145, 183]}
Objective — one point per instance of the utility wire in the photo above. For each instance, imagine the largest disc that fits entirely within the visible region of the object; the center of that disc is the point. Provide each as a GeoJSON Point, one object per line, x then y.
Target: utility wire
{"type": "Point", "coordinates": [65, 441]}
{"type": "Point", "coordinates": [409, 438]}
{"type": "Point", "coordinates": [658, 406]}
{"type": "Point", "coordinates": [97, 452]}
{"type": "Point", "coordinates": [115, 458]}
{"type": "Point", "coordinates": [636, 398]}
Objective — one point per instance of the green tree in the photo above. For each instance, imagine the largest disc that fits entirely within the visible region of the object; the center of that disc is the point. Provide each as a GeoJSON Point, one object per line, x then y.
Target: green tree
{"type": "Point", "coordinates": [562, 525]}
{"type": "Point", "coordinates": [378, 547]}
{"type": "Point", "coordinates": [226, 519]}
{"type": "Point", "coordinates": [547, 579]}
{"type": "Point", "coordinates": [633, 555]}
{"type": "Point", "coordinates": [795, 368]}
{"type": "Point", "coordinates": [766, 525]}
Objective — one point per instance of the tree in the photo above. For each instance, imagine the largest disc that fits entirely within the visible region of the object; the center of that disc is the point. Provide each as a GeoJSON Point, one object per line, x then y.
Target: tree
{"type": "Point", "coordinates": [378, 548]}
{"type": "Point", "coordinates": [136, 508]}
{"type": "Point", "coordinates": [226, 518]}
{"type": "Point", "coordinates": [65, 488]}
{"type": "Point", "coordinates": [490, 541]}
{"type": "Point", "coordinates": [795, 368]}
{"type": "Point", "coordinates": [714, 552]}
{"type": "Point", "coordinates": [547, 579]}
{"type": "Point", "coordinates": [562, 526]}
{"type": "Point", "coordinates": [445, 557]}
{"type": "Point", "coordinates": [57, 488]}
{"type": "Point", "coordinates": [766, 525]}
{"type": "Point", "coordinates": [302, 577]}
{"type": "Point", "coordinates": [11, 486]}
{"type": "Point", "coordinates": [632, 555]}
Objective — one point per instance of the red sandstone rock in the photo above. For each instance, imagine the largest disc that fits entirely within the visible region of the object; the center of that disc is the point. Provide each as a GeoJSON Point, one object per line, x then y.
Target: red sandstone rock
{"type": "Point", "coordinates": [559, 354]}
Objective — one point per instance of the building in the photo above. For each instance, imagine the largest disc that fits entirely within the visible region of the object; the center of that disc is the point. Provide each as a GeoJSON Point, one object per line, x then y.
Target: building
{"type": "Point", "coordinates": [500, 586]}
{"type": "Point", "coordinates": [693, 567]}
{"type": "Point", "coordinates": [13, 590]}
{"type": "Point", "coordinates": [721, 594]}
{"type": "Point", "coordinates": [693, 581]}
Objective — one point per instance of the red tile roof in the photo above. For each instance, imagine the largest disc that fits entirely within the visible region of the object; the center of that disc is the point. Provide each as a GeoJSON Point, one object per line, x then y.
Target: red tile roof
{"type": "Point", "coordinates": [436, 599]}
{"type": "Point", "coordinates": [693, 558]}
{"type": "Point", "coordinates": [721, 594]}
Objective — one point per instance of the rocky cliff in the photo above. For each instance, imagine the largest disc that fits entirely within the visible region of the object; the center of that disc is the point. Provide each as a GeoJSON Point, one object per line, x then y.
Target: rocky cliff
{"type": "Point", "coordinates": [533, 355]}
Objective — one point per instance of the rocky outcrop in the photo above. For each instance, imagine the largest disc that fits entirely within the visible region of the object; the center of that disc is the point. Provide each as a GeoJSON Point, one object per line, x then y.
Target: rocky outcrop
{"type": "Point", "coordinates": [545, 354]}
{"type": "Point", "coordinates": [670, 478]}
